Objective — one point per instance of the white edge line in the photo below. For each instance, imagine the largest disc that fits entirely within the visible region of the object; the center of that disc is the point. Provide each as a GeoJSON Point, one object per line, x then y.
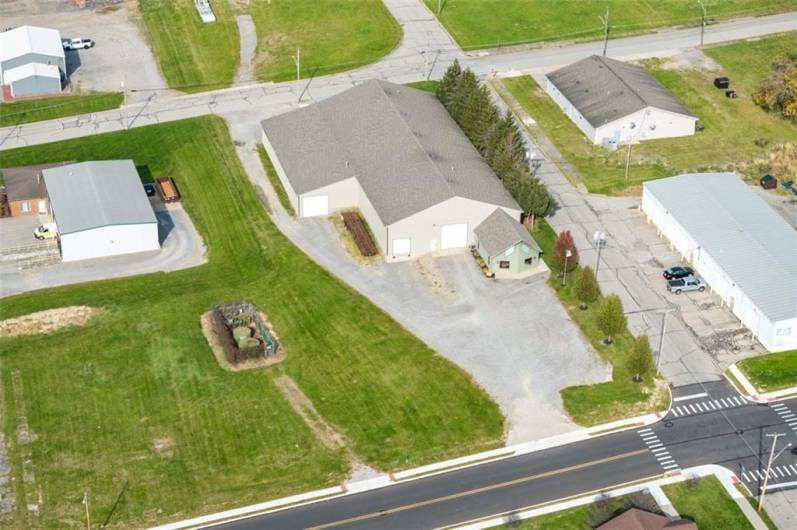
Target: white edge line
{"type": "Point", "coordinates": [690, 396]}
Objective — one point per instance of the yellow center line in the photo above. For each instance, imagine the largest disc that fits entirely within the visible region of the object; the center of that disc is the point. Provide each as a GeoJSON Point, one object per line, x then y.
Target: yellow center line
{"type": "Point", "coordinates": [483, 489]}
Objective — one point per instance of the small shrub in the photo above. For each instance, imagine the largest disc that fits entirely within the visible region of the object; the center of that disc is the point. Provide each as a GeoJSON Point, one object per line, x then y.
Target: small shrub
{"type": "Point", "coordinates": [761, 142]}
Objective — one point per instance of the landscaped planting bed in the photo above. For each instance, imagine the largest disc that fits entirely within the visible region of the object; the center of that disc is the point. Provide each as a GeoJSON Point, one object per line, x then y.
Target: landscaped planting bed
{"type": "Point", "coordinates": [359, 231]}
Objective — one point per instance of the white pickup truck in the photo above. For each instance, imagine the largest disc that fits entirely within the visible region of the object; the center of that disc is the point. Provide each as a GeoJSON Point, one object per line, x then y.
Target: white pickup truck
{"type": "Point", "coordinates": [690, 283]}
{"type": "Point", "coordinates": [77, 44]}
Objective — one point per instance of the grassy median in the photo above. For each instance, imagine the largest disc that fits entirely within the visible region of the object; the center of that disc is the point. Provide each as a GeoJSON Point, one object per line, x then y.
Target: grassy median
{"type": "Point", "coordinates": [774, 371]}
{"type": "Point", "coordinates": [478, 24]}
{"type": "Point", "coordinates": [723, 145]}
{"type": "Point", "coordinates": [707, 504]}
{"type": "Point", "coordinates": [134, 409]}
{"type": "Point", "coordinates": [30, 110]}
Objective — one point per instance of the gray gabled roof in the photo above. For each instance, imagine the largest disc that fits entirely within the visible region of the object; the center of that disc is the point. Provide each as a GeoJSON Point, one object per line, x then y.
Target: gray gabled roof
{"type": "Point", "coordinates": [94, 194]}
{"type": "Point", "coordinates": [604, 90]}
{"type": "Point", "coordinates": [754, 245]}
{"type": "Point", "coordinates": [500, 231]}
{"type": "Point", "coordinates": [398, 142]}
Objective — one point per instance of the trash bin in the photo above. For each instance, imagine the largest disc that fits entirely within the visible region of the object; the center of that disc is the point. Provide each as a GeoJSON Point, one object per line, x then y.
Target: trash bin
{"type": "Point", "coordinates": [722, 82]}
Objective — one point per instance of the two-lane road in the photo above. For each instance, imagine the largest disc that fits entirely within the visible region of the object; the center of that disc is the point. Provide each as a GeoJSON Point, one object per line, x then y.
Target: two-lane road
{"type": "Point", "coordinates": [730, 432]}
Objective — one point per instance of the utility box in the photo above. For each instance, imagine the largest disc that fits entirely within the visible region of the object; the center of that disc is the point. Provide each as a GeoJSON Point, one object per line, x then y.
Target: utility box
{"type": "Point", "coordinates": [722, 82]}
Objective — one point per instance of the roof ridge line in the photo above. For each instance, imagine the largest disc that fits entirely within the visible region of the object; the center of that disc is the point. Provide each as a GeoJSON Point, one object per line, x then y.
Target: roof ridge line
{"type": "Point", "coordinates": [415, 138]}
{"type": "Point", "coordinates": [623, 81]}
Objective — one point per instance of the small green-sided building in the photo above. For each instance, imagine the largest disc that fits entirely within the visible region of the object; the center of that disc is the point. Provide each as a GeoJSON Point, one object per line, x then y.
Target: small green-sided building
{"type": "Point", "coordinates": [506, 247]}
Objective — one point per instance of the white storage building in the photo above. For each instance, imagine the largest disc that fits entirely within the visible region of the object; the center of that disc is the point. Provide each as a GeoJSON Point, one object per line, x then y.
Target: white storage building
{"type": "Point", "coordinates": [613, 102]}
{"type": "Point", "coordinates": [100, 209]}
{"type": "Point", "coordinates": [32, 61]}
{"type": "Point", "coordinates": [743, 249]}
{"type": "Point", "coordinates": [396, 154]}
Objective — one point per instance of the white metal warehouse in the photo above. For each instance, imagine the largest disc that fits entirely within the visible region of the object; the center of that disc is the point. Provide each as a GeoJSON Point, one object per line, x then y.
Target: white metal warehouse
{"type": "Point", "coordinates": [100, 209]}
{"type": "Point", "coordinates": [32, 61]}
{"type": "Point", "coordinates": [396, 154]}
{"type": "Point", "coordinates": [744, 250]}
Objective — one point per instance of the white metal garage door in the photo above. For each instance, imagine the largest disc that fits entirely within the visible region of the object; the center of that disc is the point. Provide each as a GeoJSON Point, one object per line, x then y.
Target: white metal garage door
{"type": "Point", "coordinates": [401, 247]}
{"type": "Point", "coordinates": [315, 206]}
{"type": "Point", "coordinates": [454, 236]}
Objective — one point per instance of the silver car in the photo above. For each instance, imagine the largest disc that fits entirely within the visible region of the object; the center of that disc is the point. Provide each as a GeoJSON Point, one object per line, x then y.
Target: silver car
{"type": "Point", "coordinates": [690, 283]}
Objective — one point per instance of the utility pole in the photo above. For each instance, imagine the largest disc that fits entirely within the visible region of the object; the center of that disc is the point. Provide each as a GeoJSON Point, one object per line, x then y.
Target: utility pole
{"type": "Point", "coordinates": [704, 8]}
{"type": "Point", "coordinates": [122, 110]}
{"type": "Point", "coordinates": [769, 466]}
{"type": "Point", "coordinates": [298, 61]}
{"type": "Point", "coordinates": [600, 239]}
{"type": "Point", "coordinates": [664, 313]}
{"type": "Point", "coordinates": [627, 161]}
{"type": "Point", "coordinates": [86, 504]}
{"type": "Point", "coordinates": [605, 20]}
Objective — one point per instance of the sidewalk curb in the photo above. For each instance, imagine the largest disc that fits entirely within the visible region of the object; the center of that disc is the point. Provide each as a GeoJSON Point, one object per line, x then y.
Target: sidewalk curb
{"type": "Point", "coordinates": [392, 478]}
{"type": "Point", "coordinates": [750, 392]}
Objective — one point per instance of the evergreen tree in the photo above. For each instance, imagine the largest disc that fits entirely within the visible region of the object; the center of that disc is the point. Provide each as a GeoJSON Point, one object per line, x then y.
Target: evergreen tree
{"type": "Point", "coordinates": [611, 319]}
{"type": "Point", "coordinates": [466, 85]}
{"type": "Point", "coordinates": [450, 79]}
{"type": "Point", "coordinates": [478, 116]}
{"type": "Point", "coordinates": [641, 358]}
{"type": "Point", "coordinates": [564, 243]}
{"type": "Point", "coordinates": [504, 162]}
{"type": "Point", "coordinates": [495, 136]}
{"type": "Point", "coordinates": [587, 288]}
{"type": "Point", "coordinates": [533, 197]}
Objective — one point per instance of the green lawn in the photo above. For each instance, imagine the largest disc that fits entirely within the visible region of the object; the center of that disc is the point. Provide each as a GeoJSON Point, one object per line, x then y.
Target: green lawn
{"type": "Point", "coordinates": [28, 110]}
{"type": "Point", "coordinates": [274, 179]}
{"type": "Point", "coordinates": [723, 145]}
{"type": "Point", "coordinates": [428, 86]}
{"type": "Point", "coordinates": [774, 371]}
{"type": "Point", "coordinates": [581, 517]}
{"type": "Point", "coordinates": [333, 35]}
{"type": "Point", "coordinates": [707, 504]}
{"type": "Point", "coordinates": [602, 402]}
{"type": "Point", "coordinates": [99, 398]}
{"type": "Point", "coordinates": [478, 24]}
{"type": "Point", "coordinates": [193, 56]}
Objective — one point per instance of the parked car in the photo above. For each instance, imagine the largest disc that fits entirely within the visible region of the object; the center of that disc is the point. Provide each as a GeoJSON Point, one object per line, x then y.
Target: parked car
{"type": "Point", "coordinates": [167, 189]}
{"type": "Point", "coordinates": [77, 44]}
{"type": "Point", "coordinates": [676, 273]}
{"type": "Point", "coordinates": [768, 182]}
{"type": "Point", "coordinates": [45, 232]}
{"type": "Point", "coordinates": [690, 283]}
{"type": "Point", "coordinates": [149, 189]}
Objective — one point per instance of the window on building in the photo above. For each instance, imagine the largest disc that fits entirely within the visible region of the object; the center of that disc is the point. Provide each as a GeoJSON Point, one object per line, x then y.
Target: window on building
{"type": "Point", "coordinates": [529, 261]}
{"type": "Point", "coordinates": [783, 332]}
{"type": "Point", "coordinates": [503, 264]}
{"type": "Point", "coordinates": [509, 251]}
{"type": "Point", "coordinates": [26, 206]}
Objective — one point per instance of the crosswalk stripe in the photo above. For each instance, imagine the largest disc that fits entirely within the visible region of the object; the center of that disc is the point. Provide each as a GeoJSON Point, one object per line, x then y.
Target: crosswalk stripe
{"type": "Point", "coordinates": [745, 477]}
{"type": "Point", "coordinates": [649, 436]}
{"type": "Point", "coordinates": [778, 406]}
{"type": "Point", "coordinates": [645, 430]}
{"type": "Point", "coordinates": [666, 461]}
{"type": "Point", "coordinates": [675, 412]}
{"type": "Point", "coordinates": [760, 475]}
{"type": "Point", "coordinates": [785, 469]}
{"type": "Point", "coordinates": [793, 469]}
{"type": "Point", "coordinates": [773, 472]}
{"type": "Point", "coordinates": [724, 403]}
{"type": "Point", "coordinates": [660, 450]}
{"type": "Point", "coordinates": [719, 405]}
{"type": "Point", "coordinates": [670, 466]}
{"type": "Point", "coordinates": [698, 407]}
{"type": "Point", "coordinates": [710, 404]}
{"type": "Point", "coordinates": [692, 408]}
{"type": "Point", "coordinates": [741, 400]}
{"type": "Point", "coordinates": [651, 446]}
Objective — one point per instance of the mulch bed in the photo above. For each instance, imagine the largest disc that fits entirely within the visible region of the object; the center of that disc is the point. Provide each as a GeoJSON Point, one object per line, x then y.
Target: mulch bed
{"type": "Point", "coordinates": [356, 226]}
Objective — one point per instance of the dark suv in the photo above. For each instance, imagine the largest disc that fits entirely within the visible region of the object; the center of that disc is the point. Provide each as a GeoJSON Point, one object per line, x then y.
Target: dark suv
{"type": "Point", "coordinates": [676, 273]}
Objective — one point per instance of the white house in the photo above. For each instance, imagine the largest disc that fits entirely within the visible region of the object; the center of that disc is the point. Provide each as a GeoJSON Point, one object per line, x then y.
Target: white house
{"type": "Point", "coordinates": [32, 61]}
{"type": "Point", "coordinates": [743, 249]}
{"type": "Point", "coordinates": [396, 154]}
{"type": "Point", "coordinates": [100, 209]}
{"type": "Point", "coordinates": [613, 102]}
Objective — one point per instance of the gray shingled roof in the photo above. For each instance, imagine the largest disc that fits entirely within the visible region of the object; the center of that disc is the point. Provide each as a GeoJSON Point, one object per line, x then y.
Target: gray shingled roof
{"type": "Point", "coordinates": [750, 241]}
{"type": "Point", "coordinates": [93, 194]}
{"type": "Point", "coordinates": [23, 183]}
{"type": "Point", "coordinates": [400, 143]}
{"type": "Point", "coordinates": [604, 90]}
{"type": "Point", "coordinates": [500, 231]}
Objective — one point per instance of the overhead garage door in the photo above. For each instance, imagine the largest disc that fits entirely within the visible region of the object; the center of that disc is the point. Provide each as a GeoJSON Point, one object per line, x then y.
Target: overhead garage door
{"type": "Point", "coordinates": [401, 247]}
{"type": "Point", "coordinates": [315, 206]}
{"type": "Point", "coordinates": [454, 236]}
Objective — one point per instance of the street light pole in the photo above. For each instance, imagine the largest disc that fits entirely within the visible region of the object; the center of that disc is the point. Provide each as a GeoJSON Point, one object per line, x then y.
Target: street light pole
{"type": "Point", "coordinates": [605, 20]}
{"type": "Point", "coordinates": [298, 61]}
{"type": "Point", "coordinates": [775, 437]}
{"type": "Point", "coordinates": [600, 239]}
{"type": "Point", "coordinates": [564, 272]}
{"type": "Point", "coordinates": [704, 8]}
{"type": "Point", "coordinates": [664, 313]}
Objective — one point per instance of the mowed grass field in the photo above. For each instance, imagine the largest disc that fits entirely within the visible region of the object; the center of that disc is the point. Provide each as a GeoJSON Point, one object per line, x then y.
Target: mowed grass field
{"type": "Point", "coordinates": [29, 110]}
{"type": "Point", "coordinates": [707, 504]}
{"type": "Point", "coordinates": [333, 35]}
{"type": "Point", "coordinates": [134, 406]}
{"type": "Point", "coordinates": [731, 125]}
{"type": "Point", "coordinates": [478, 24]}
{"type": "Point", "coordinates": [193, 56]}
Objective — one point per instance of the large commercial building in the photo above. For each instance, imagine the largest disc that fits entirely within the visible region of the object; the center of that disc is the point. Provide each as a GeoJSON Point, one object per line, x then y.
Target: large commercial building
{"type": "Point", "coordinates": [396, 154]}
{"type": "Point", "coordinates": [100, 209]}
{"type": "Point", "coordinates": [743, 249]}
{"type": "Point", "coordinates": [614, 102]}
{"type": "Point", "coordinates": [32, 61]}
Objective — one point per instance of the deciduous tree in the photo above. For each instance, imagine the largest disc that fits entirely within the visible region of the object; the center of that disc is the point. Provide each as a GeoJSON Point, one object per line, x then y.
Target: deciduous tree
{"type": "Point", "coordinates": [564, 243]}
{"type": "Point", "coordinates": [587, 289]}
{"type": "Point", "coordinates": [611, 319]}
{"type": "Point", "coordinates": [641, 358]}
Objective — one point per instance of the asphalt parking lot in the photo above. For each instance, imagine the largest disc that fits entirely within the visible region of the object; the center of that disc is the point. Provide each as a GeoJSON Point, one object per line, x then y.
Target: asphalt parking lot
{"type": "Point", "coordinates": [181, 248]}
{"type": "Point", "coordinates": [121, 54]}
